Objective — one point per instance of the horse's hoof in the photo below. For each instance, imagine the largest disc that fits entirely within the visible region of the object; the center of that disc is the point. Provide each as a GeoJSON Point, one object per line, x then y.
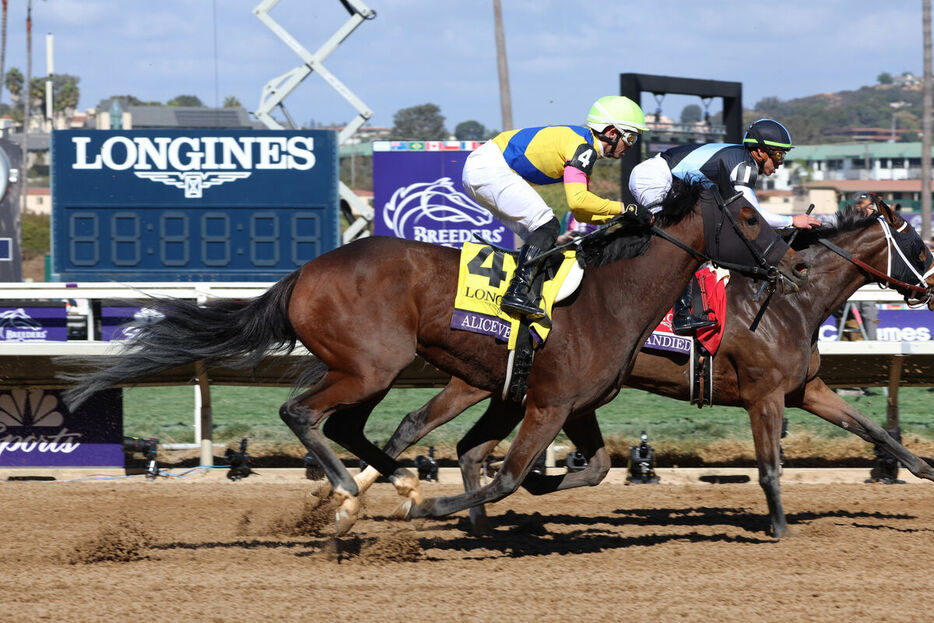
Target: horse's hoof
{"type": "Point", "coordinates": [415, 511]}
{"type": "Point", "coordinates": [343, 521]}
{"type": "Point", "coordinates": [407, 485]}
{"type": "Point", "coordinates": [346, 515]}
{"type": "Point", "coordinates": [402, 511]}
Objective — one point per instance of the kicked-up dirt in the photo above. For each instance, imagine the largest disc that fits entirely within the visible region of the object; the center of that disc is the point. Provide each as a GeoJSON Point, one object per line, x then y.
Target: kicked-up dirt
{"type": "Point", "coordinates": [208, 550]}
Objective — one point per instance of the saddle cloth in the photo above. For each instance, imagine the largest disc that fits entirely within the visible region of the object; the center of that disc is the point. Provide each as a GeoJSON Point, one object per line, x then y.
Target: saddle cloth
{"type": "Point", "coordinates": [713, 283]}
{"type": "Point", "coordinates": [483, 277]}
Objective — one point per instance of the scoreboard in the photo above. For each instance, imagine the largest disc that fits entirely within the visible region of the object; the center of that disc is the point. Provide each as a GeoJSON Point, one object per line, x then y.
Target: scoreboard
{"type": "Point", "coordinates": [192, 205]}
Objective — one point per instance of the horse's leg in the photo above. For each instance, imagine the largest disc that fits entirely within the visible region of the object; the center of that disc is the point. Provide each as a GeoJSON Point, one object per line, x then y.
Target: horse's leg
{"type": "Point", "coordinates": [336, 392]}
{"type": "Point", "coordinates": [584, 433]}
{"type": "Point", "coordinates": [347, 431]}
{"type": "Point", "coordinates": [539, 427]}
{"type": "Point", "coordinates": [493, 426]}
{"type": "Point", "coordinates": [454, 399]}
{"type": "Point", "coordinates": [766, 416]}
{"type": "Point", "coordinates": [825, 403]}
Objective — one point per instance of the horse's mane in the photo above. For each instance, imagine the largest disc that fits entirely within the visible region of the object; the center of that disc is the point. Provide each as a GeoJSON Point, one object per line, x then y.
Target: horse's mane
{"type": "Point", "coordinates": [848, 219]}
{"type": "Point", "coordinates": [626, 240]}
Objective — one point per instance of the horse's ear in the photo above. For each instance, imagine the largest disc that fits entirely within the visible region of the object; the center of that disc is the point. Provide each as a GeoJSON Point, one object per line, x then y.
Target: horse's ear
{"type": "Point", "coordinates": [890, 215]}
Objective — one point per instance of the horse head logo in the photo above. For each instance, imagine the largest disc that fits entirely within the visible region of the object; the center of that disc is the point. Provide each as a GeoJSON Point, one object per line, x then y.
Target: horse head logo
{"type": "Point", "coordinates": [19, 319]}
{"type": "Point", "coordinates": [436, 201]}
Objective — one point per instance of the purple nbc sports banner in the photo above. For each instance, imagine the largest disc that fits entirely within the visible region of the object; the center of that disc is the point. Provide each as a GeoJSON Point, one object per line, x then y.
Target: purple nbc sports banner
{"type": "Point", "coordinates": [38, 430]}
{"type": "Point", "coordinates": [418, 194]}
{"type": "Point", "coordinates": [897, 323]}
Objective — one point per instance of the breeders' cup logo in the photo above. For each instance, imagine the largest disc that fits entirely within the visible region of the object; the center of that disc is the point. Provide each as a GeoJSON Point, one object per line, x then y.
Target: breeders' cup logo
{"type": "Point", "coordinates": [143, 316]}
{"type": "Point", "coordinates": [424, 211]}
{"type": "Point", "coordinates": [18, 326]}
{"type": "Point", "coordinates": [195, 164]}
{"type": "Point", "coordinates": [22, 411]}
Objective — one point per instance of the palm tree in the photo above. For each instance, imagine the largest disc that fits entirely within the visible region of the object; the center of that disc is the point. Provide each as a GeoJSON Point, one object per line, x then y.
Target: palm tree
{"type": "Point", "coordinates": [3, 46]}
{"type": "Point", "coordinates": [27, 95]}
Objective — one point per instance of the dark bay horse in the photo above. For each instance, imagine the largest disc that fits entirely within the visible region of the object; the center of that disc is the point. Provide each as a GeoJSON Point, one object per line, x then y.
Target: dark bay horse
{"type": "Point", "coordinates": [764, 371]}
{"type": "Point", "coordinates": [366, 309]}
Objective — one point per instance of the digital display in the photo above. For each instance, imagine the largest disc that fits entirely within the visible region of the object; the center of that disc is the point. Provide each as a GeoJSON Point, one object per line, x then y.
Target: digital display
{"type": "Point", "coordinates": [191, 204]}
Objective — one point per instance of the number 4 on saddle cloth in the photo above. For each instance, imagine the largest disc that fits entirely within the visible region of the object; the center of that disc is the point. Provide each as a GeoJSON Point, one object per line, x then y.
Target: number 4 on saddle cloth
{"type": "Point", "coordinates": [701, 348]}
{"type": "Point", "coordinates": [483, 277]}
{"type": "Point", "coordinates": [484, 274]}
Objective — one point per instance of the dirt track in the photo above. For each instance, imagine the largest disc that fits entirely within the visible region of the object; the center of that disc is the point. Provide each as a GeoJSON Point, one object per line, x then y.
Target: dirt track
{"type": "Point", "coordinates": [211, 550]}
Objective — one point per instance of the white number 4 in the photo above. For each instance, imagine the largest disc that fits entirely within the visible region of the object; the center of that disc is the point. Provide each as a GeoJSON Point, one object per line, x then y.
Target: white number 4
{"type": "Point", "coordinates": [585, 157]}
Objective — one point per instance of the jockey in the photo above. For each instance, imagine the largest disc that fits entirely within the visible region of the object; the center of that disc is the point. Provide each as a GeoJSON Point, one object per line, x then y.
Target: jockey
{"type": "Point", "coordinates": [763, 150]}
{"type": "Point", "coordinates": [499, 175]}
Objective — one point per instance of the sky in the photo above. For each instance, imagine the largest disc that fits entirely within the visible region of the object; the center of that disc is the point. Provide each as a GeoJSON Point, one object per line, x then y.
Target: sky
{"type": "Point", "coordinates": [562, 55]}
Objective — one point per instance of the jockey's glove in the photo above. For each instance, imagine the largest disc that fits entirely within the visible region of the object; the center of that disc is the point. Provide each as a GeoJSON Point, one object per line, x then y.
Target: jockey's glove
{"type": "Point", "coordinates": [635, 213]}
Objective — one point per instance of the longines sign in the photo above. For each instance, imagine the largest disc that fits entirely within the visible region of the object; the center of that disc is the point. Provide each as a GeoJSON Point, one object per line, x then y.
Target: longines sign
{"type": "Point", "coordinates": [195, 163]}
{"type": "Point", "coordinates": [156, 205]}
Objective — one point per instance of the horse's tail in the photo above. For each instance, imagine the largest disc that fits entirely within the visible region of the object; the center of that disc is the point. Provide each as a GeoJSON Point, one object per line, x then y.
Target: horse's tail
{"type": "Point", "coordinates": [234, 332]}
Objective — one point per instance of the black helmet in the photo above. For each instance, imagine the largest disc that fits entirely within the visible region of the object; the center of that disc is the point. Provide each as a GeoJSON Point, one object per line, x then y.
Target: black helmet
{"type": "Point", "coordinates": [767, 134]}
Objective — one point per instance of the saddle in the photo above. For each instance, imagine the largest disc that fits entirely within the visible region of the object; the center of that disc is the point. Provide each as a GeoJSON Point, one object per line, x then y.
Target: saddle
{"type": "Point", "coordinates": [484, 274]}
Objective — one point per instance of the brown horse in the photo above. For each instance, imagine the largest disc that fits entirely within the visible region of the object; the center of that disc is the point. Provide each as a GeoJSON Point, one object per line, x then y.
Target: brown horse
{"type": "Point", "coordinates": [763, 371]}
{"type": "Point", "coordinates": [366, 309]}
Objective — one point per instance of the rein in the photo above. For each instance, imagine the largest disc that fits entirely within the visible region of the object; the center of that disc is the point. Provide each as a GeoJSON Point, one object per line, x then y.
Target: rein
{"type": "Point", "coordinates": [755, 271]}
{"type": "Point", "coordinates": [872, 271]}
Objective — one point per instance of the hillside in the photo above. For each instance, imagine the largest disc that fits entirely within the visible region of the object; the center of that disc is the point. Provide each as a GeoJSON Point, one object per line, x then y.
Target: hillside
{"type": "Point", "coordinates": [815, 119]}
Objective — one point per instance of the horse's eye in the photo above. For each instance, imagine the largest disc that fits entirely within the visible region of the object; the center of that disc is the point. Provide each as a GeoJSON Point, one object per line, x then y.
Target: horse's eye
{"type": "Point", "coordinates": [752, 221]}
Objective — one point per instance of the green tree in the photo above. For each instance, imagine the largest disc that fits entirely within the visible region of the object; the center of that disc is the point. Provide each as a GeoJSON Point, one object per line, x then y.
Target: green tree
{"type": "Point", "coordinates": [232, 102]}
{"type": "Point", "coordinates": [420, 123]}
{"type": "Point", "coordinates": [470, 131]}
{"type": "Point", "coordinates": [128, 100]}
{"type": "Point", "coordinates": [186, 100]}
{"type": "Point", "coordinates": [68, 95]}
{"type": "Point", "coordinates": [885, 78]}
{"type": "Point", "coordinates": [14, 84]}
{"type": "Point", "coordinates": [65, 92]}
{"type": "Point", "coordinates": [691, 114]}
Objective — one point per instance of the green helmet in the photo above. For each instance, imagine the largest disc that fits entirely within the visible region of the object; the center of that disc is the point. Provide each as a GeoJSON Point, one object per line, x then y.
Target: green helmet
{"type": "Point", "coordinates": [618, 111]}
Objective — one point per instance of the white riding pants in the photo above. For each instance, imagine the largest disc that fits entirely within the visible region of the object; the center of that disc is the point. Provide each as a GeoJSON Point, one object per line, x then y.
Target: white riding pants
{"type": "Point", "coordinates": [489, 180]}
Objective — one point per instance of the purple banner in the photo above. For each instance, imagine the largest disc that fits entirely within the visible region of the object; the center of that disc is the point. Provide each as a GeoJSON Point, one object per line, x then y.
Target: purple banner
{"type": "Point", "coordinates": [914, 219]}
{"type": "Point", "coordinates": [480, 323]}
{"type": "Point", "coordinates": [669, 342]}
{"type": "Point", "coordinates": [897, 323]}
{"type": "Point", "coordinates": [418, 194]}
{"type": "Point", "coordinates": [38, 430]}
{"type": "Point", "coordinates": [31, 322]}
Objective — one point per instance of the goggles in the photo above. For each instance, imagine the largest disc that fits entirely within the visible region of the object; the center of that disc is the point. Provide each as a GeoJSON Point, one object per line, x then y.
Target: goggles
{"type": "Point", "coordinates": [628, 137]}
{"type": "Point", "coordinates": [777, 156]}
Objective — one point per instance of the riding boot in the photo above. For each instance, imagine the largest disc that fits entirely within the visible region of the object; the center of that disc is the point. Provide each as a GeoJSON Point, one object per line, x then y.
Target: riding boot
{"type": "Point", "coordinates": [518, 298]}
{"type": "Point", "coordinates": [683, 321]}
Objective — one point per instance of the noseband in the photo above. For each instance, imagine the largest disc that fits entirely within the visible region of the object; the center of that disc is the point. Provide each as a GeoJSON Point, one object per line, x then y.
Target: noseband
{"type": "Point", "coordinates": [925, 292]}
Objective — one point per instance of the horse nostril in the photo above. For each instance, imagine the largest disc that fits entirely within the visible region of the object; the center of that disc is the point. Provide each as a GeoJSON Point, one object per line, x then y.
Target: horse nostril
{"type": "Point", "coordinates": [801, 268]}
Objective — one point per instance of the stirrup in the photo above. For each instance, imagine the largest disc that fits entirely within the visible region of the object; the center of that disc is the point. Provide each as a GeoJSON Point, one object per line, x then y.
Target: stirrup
{"type": "Point", "coordinates": [523, 307]}
{"type": "Point", "coordinates": [689, 324]}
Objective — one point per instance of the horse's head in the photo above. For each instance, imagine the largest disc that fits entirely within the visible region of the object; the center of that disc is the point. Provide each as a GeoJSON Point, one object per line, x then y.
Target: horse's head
{"type": "Point", "coordinates": [909, 262]}
{"type": "Point", "coordinates": [884, 247]}
{"type": "Point", "coordinates": [737, 234]}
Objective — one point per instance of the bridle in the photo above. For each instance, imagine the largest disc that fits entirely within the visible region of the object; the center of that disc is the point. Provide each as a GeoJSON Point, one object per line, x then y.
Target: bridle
{"type": "Point", "coordinates": [924, 292]}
